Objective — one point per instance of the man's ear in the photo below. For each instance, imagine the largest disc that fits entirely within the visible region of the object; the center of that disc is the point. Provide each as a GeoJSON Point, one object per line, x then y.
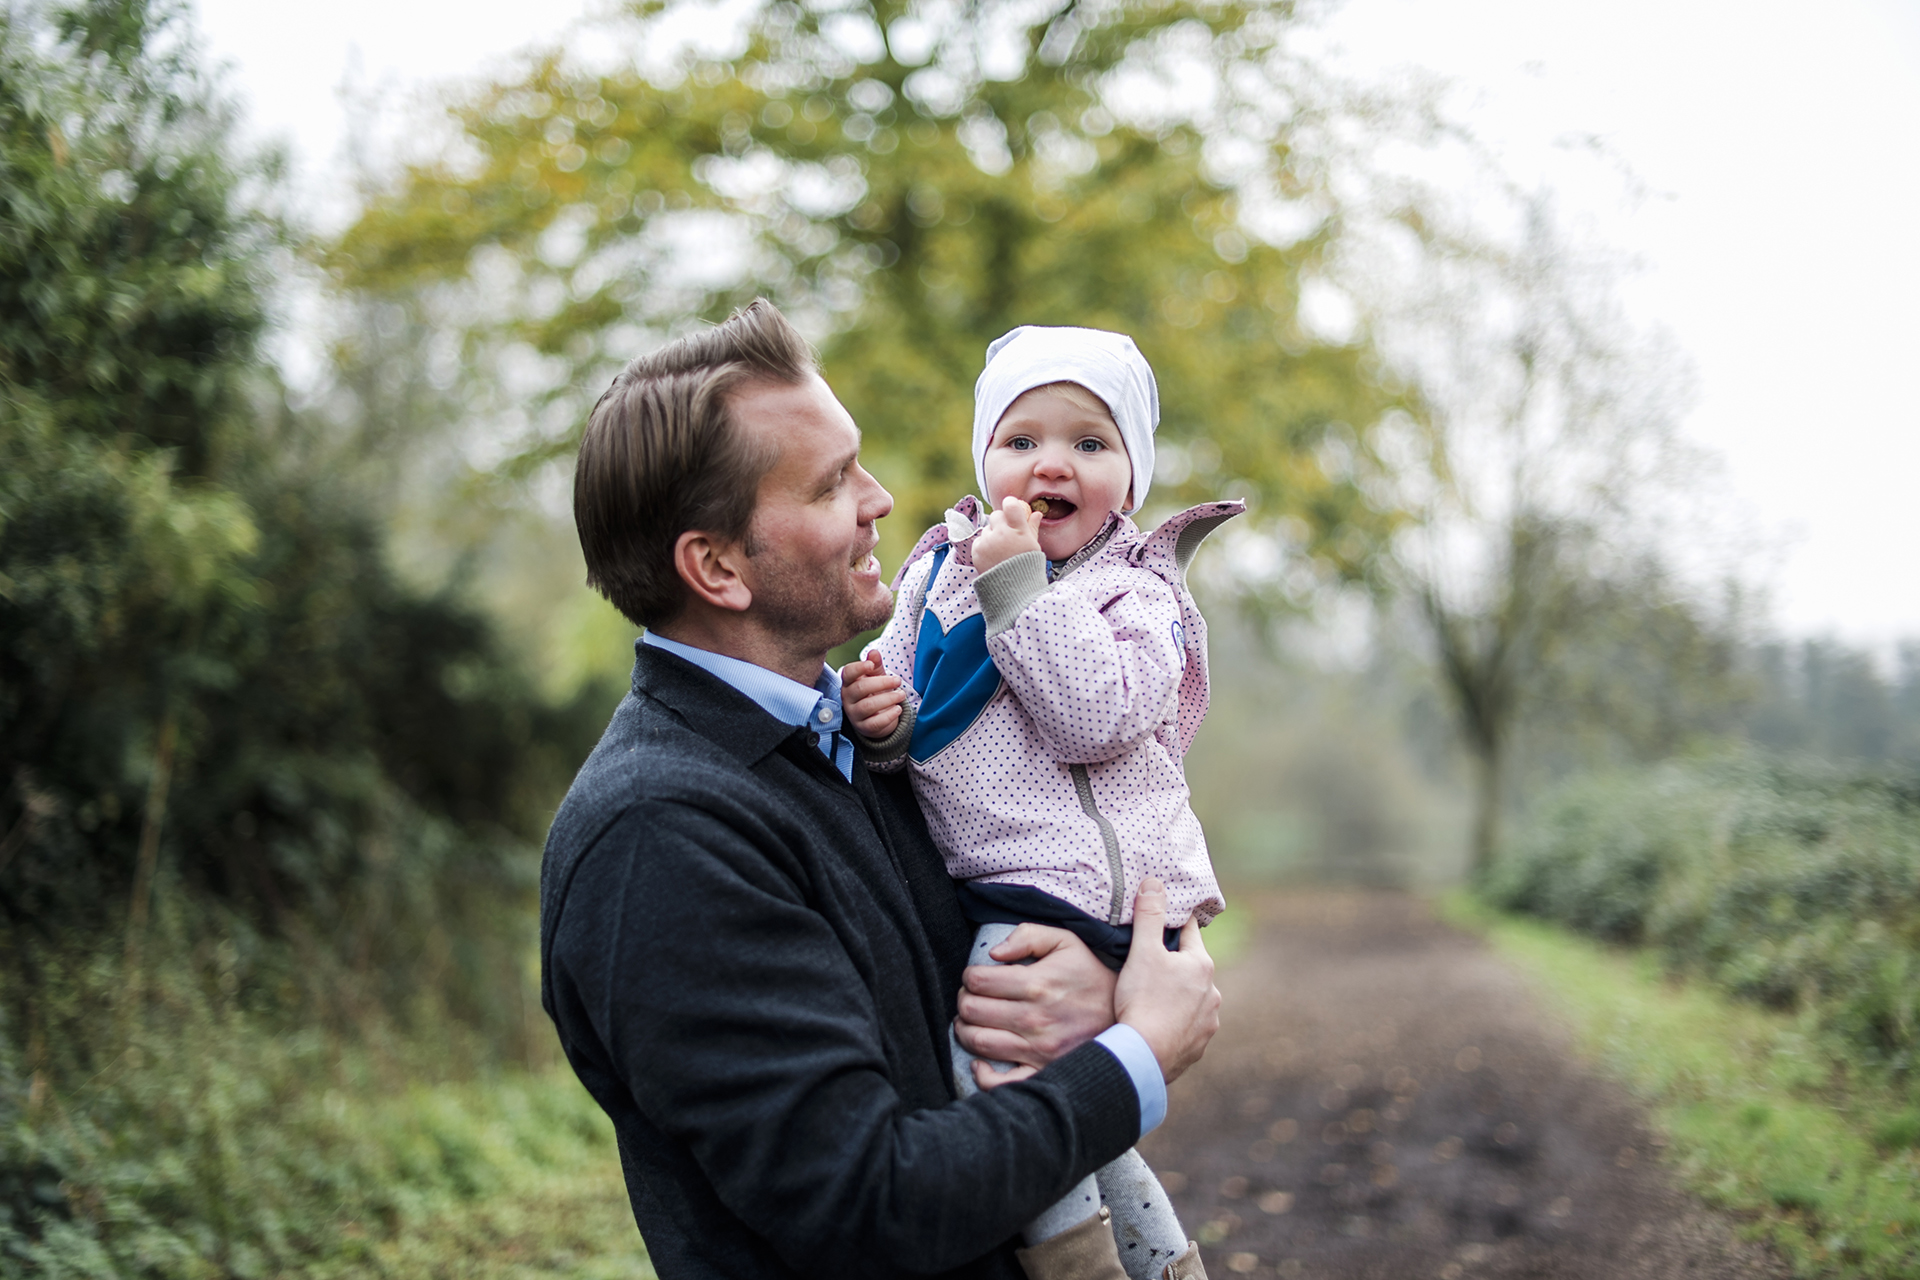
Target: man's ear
{"type": "Point", "coordinates": [711, 570]}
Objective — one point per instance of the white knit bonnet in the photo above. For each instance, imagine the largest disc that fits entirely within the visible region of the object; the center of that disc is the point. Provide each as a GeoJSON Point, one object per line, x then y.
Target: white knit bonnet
{"type": "Point", "coordinates": [1107, 364]}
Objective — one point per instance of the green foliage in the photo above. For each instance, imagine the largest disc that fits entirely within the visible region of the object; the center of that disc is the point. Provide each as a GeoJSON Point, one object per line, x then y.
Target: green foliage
{"type": "Point", "coordinates": [266, 811]}
{"type": "Point", "coordinates": [219, 655]}
{"type": "Point", "coordinates": [313, 696]}
{"type": "Point", "coordinates": [130, 277]}
{"type": "Point", "coordinates": [1796, 886]}
{"type": "Point", "coordinates": [1759, 1116]}
{"type": "Point", "coordinates": [214, 1143]}
{"type": "Point", "coordinates": [1902, 1130]}
{"type": "Point", "coordinates": [913, 207]}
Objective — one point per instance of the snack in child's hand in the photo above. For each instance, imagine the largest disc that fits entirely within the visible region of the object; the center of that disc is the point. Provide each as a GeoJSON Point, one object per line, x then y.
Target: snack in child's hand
{"type": "Point", "coordinates": [1038, 506]}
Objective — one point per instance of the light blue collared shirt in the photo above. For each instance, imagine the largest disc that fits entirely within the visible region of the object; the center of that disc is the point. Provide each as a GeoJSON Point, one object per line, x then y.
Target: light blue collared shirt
{"type": "Point", "coordinates": [788, 701]}
{"type": "Point", "coordinates": [1128, 1045]}
{"type": "Point", "coordinates": [791, 702]}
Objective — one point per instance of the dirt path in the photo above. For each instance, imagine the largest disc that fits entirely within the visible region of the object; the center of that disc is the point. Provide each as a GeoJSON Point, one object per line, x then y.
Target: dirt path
{"type": "Point", "coordinates": [1384, 1100]}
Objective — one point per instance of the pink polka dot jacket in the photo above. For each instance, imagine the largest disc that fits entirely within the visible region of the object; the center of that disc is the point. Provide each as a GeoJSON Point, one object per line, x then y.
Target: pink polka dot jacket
{"type": "Point", "coordinates": [1051, 708]}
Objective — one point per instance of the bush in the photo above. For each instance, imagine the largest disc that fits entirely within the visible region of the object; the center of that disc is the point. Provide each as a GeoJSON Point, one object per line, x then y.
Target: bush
{"type": "Point", "coordinates": [215, 1142]}
{"type": "Point", "coordinates": [268, 814]}
{"type": "Point", "coordinates": [1794, 885]}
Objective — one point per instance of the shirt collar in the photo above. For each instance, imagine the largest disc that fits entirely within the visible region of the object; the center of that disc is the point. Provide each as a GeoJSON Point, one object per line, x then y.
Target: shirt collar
{"type": "Point", "coordinates": [787, 701]}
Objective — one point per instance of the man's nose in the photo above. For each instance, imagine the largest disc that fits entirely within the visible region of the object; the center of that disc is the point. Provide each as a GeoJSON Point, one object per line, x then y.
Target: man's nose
{"type": "Point", "coordinates": [876, 503]}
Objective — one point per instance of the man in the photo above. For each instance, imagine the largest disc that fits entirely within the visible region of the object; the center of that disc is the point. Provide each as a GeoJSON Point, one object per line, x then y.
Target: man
{"type": "Point", "coordinates": [749, 946]}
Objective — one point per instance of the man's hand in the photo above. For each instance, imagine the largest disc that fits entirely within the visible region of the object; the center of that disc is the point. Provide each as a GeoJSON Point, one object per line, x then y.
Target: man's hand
{"type": "Point", "coordinates": [870, 696]}
{"type": "Point", "coordinates": [1031, 1013]}
{"type": "Point", "coordinates": [1010, 530]}
{"type": "Point", "coordinates": [1167, 996]}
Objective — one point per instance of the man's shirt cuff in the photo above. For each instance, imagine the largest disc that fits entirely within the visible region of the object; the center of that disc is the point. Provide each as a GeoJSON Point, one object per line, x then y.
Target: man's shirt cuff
{"type": "Point", "coordinates": [1130, 1047]}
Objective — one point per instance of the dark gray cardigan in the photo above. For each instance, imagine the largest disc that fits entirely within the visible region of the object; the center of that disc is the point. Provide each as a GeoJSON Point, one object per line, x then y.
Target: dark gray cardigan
{"type": "Point", "coordinates": [752, 965]}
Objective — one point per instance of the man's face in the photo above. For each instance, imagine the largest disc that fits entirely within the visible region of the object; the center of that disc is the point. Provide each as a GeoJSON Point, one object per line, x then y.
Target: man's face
{"type": "Point", "coordinates": [813, 574]}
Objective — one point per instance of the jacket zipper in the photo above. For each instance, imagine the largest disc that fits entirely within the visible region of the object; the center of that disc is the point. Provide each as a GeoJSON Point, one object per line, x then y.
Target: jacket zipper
{"type": "Point", "coordinates": [1082, 784]}
{"type": "Point", "coordinates": [1084, 554]}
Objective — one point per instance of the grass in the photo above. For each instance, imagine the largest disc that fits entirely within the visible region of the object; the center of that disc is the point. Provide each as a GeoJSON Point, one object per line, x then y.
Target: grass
{"type": "Point", "coordinates": [540, 1194]}
{"type": "Point", "coordinates": [191, 1136]}
{"type": "Point", "coordinates": [514, 1177]}
{"type": "Point", "coordinates": [510, 1178]}
{"type": "Point", "coordinates": [1763, 1117]}
{"type": "Point", "coordinates": [564, 1215]}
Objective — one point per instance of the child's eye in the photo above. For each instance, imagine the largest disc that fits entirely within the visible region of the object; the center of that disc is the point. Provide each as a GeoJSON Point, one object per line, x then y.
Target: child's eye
{"type": "Point", "coordinates": [1091, 445]}
{"type": "Point", "coordinates": [1020, 444]}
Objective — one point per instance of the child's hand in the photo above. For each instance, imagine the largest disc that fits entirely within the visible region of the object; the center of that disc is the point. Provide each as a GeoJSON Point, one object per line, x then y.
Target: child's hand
{"type": "Point", "coordinates": [1010, 530]}
{"type": "Point", "coordinates": [870, 697]}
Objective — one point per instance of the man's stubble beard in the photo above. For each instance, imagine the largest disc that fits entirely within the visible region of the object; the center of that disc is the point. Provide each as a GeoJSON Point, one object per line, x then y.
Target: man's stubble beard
{"type": "Point", "coordinates": [811, 619]}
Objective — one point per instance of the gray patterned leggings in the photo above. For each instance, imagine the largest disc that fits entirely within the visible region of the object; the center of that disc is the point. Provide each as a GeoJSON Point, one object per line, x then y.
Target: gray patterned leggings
{"type": "Point", "coordinates": [1145, 1228]}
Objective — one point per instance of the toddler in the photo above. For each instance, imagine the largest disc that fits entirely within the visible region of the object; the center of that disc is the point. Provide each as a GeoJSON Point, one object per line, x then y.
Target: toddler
{"type": "Point", "coordinates": [1057, 672]}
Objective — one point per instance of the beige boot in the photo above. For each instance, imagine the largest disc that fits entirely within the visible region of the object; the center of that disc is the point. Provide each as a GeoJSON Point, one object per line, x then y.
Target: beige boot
{"type": "Point", "coordinates": [1085, 1252]}
{"type": "Point", "coordinates": [1187, 1266]}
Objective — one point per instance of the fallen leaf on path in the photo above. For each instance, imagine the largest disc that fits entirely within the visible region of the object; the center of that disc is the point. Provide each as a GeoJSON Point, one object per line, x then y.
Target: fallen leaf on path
{"type": "Point", "coordinates": [1276, 1202]}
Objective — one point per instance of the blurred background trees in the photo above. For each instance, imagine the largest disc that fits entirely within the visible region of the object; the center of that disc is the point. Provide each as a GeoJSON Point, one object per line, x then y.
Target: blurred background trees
{"type": "Point", "coordinates": [910, 183]}
{"type": "Point", "coordinates": [1541, 558]}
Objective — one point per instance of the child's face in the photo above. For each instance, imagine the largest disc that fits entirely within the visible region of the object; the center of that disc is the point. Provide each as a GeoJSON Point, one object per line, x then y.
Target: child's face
{"type": "Point", "coordinates": [1045, 446]}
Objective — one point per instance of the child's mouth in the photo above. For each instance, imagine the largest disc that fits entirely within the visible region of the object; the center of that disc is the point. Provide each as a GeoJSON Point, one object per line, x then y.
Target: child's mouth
{"type": "Point", "coordinates": [1051, 508]}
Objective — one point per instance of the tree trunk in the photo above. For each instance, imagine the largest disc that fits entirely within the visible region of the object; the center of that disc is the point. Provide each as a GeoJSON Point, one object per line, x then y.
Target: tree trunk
{"type": "Point", "coordinates": [146, 862]}
{"type": "Point", "coordinates": [1486, 808]}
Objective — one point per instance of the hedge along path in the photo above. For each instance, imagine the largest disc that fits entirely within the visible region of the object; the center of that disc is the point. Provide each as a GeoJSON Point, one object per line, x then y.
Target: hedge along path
{"type": "Point", "coordinates": [1385, 1099]}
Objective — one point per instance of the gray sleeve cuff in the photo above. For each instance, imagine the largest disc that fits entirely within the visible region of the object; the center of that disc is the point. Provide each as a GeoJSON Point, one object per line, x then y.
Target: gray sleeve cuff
{"type": "Point", "coordinates": [894, 745]}
{"type": "Point", "coordinates": [1009, 587]}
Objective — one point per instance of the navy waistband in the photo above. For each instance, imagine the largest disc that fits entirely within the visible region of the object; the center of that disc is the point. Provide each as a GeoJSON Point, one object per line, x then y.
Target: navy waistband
{"type": "Point", "coordinates": [986, 903]}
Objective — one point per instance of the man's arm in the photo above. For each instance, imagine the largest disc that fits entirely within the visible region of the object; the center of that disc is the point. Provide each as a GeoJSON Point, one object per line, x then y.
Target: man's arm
{"type": "Point", "coordinates": [742, 1027]}
{"type": "Point", "coordinates": [1031, 1014]}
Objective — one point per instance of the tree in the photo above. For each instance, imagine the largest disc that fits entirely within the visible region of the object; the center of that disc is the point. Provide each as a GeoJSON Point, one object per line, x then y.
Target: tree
{"type": "Point", "coordinates": [1821, 697]}
{"type": "Point", "coordinates": [130, 304]}
{"type": "Point", "coordinates": [910, 186]}
{"type": "Point", "coordinates": [1539, 557]}
{"type": "Point", "coordinates": [209, 678]}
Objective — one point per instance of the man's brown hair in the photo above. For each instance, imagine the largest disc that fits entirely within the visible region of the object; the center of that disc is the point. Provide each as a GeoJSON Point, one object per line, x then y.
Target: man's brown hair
{"type": "Point", "coordinates": [662, 455]}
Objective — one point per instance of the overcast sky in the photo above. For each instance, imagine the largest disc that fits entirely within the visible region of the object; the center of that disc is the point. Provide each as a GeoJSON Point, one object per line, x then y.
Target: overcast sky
{"type": "Point", "coordinates": [1779, 145]}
